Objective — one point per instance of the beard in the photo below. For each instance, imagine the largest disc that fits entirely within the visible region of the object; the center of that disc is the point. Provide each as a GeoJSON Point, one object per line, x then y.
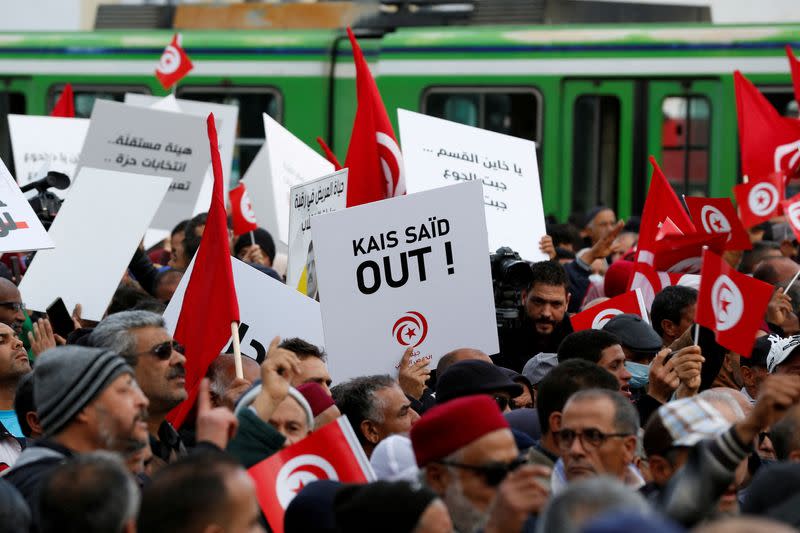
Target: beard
{"type": "Point", "coordinates": [117, 436]}
{"type": "Point", "coordinates": [466, 518]}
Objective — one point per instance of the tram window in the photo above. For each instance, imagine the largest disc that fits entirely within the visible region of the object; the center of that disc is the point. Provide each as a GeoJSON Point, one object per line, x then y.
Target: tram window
{"type": "Point", "coordinates": [512, 110]}
{"type": "Point", "coordinates": [782, 99]}
{"type": "Point", "coordinates": [10, 103]}
{"type": "Point", "coordinates": [252, 102]}
{"type": "Point", "coordinates": [85, 95]}
{"type": "Point", "coordinates": [685, 141]}
{"type": "Point", "coordinates": [595, 151]}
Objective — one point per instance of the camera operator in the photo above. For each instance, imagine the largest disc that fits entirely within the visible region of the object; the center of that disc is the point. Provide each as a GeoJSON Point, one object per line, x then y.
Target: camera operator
{"type": "Point", "coordinates": [544, 322]}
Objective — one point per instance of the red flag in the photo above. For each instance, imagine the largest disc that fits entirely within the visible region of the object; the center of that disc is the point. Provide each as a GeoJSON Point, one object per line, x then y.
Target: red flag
{"type": "Point", "coordinates": [333, 453]}
{"type": "Point", "coordinates": [373, 158]}
{"type": "Point", "coordinates": [661, 204]}
{"type": "Point", "coordinates": [174, 63]}
{"type": "Point", "coordinates": [65, 105]}
{"type": "Point", "coordinates": [651, 282]}
{"type": "Point", "coordinates": [791, 208]}
{"type": "Point", "coordinates": [768, 141]}
{"type": "Point", "coordinates": [759, 200]}
{"type": "Point", "coordinates": [794, 64]}
{"type": "Point", "coordinates": [329, 155]}
{"type": "Point", "coordinates": [244, 219]}
{"type": "Point", "coordinates": [209, 304]}
{"type": "Point", "coordinates": [717, 215]}
{"type": "Point", "coordinates": [721, 304]}
{"type": "Point", "coordinates": [631, 302]}
{"type": "Point", "coordinates": [683, 253]}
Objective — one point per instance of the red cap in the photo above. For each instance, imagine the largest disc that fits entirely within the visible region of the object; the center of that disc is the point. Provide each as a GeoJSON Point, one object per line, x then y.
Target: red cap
{"type": "Point", "coordinates": [617, 277]}
{"type": "Point", "coordinates": [452, 425]}
{"type": "Point", "coordinates": [315, 395]}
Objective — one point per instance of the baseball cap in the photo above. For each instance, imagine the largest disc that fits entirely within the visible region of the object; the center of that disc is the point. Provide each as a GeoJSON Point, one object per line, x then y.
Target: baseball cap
{"type": "Point", "coordinates": [780, 350]}
{"type": "Point", "coordinates": [470, 377]}
{"type": "Point", "coordinates": [634, 334]}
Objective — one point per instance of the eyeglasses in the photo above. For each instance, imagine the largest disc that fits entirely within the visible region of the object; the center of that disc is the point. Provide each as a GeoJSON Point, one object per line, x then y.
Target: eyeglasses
{"type": "Point", "coordinates": [16, 306]}
{"type": "Point", "coordinates": [590, 437]}
{"type": "Point", "coordinates": [492, 473]}
{"type": "Point", "coordinates": [502, 402]}
{"type": "Point", "coordinates": [164, 350]}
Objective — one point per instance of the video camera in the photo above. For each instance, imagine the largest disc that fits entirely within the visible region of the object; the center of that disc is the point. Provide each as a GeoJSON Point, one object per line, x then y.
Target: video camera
{"type": "Point", "coordinates": [510, 276]}
{"type": "Point", "coordinates": [46, 204]}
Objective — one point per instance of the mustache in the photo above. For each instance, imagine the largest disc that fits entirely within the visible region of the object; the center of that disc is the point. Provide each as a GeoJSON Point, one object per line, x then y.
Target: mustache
{"type": "Point", "coordinates": [545, 321]}
{"type": "Point", "coordinates": [143, 416]}
{"type": "Point", "coordinates": [176, 372]}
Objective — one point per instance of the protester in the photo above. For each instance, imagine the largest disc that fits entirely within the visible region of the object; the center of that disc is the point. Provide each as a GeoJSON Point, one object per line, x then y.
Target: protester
{"type": "Point", "coordinates": [202, 492]}
{"type": "Point", "coordinates": [15, 517]}
{"type": "Point", "coordinates": [467, 378]}
{"type": "Point", "coordinates": [87, 400]}
{"type": "Point", "coordinates": [312, 509]}
{"type": "Point", "coordinates": [313, 367]}
{"type": "Point", "coordinates": [256, 247]}
{"type": "Point", "coordinates": [226, 388]}
{"type": "Point", "coordinates": [673, 311]}
{"type": "Point", "coordinates": [600, 347]}
{"type": "Point", "coordinates": [14, 365]}
{"type": "Point", "coordinates": [393, 459]}
{"type": "Point", "coordinates": [89, 493]}
{"type": "Point", "coordinates": [25, 409]}
{"type": "Point", "coordinates": [639, 341]}
{"type": "Point", "coordinates": [322, 405]}
{"type": "Point", "coordinates": [785, 436]}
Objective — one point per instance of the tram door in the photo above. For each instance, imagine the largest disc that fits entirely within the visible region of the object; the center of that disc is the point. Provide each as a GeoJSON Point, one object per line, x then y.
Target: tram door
{"type": "Point", "coordinates": [597, 145]}
{"type": "Point", "coordinates": [13, 100]}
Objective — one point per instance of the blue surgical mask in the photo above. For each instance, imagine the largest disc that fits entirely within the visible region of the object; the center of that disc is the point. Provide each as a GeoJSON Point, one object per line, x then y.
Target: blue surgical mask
{"type": "Point", "coordinates": [639, 374]}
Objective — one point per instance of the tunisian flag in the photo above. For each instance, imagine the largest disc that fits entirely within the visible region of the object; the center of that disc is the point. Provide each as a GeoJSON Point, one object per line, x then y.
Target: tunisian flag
{"type": "Point", "coordinates": [721, 304]}
{"type": "Point", "coordinates": [768, 141]}
{"type": "Point", "coordinates": [332, 453]}
{"type": "Point", "coordinates": [631, 302]}
{"type": "Point", "coordinates": [650, 281]}
{"type": "Point", "coordinates": [209, 304]}
{"type": "Point", "coordinates": [717, 215]}
{"type": "Point", "coordinates": [65, 105]}
{"type": "Point", "coordinates": [791, 208]}
{"type": "Point", "coordinates": [174, 63]}
{"type": "Point", "coordinates": [794, 64]}
{"type": "Point", "coordinates": [760, 200]}
{"type": "Point", "coordinates": [244, 218]}
{"type": "Point", "coordinates": [373, 157]}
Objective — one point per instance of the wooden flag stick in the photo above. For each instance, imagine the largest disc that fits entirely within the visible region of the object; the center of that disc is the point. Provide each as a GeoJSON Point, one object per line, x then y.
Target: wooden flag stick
{"type": "Point", "coordinates": [237, 351]}
{"type": "Point", "coordinates": [696, 333]}
{"type": "Point", "coordinates": [252, 238]}
{"type": "Point", "coordinates": [789, 286]}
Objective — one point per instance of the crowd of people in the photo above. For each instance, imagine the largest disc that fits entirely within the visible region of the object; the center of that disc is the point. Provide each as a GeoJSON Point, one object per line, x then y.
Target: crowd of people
{"type": "Point", "coordinates": [632, 427]}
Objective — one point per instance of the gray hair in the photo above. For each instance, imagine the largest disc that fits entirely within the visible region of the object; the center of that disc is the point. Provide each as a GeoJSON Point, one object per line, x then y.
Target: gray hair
{"type": "Point", "coordinates": [116, 332]}
{"type": "Point", "coordinates": [357, 400]}
{"type": "Point", "coordinates": [626, 418]}
{"type": "Point", "coordinates": [585, 499]}
{"type": "Point", "coordinates": [717, 397]}
{"type": "Point", "coordinates": [90, 492]}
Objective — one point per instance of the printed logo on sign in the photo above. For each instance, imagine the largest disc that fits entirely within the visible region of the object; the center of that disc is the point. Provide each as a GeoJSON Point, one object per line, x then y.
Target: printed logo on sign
{"type": "Point", "coordinates": [727, 302]}
{"type": "Point", "coordinates": [763, 199]}
{"type": "Point", "coordinates": [793, 212]}
{"type": "Point", "coordinates": [410, 329]}
{"type": "Point", "coordinates": [9, 224]}
{"type": "Point", "coordinates": [299, 472]}
{"type": "Point", "coordinates": [787, 156]}
{"type": "Point", "coordinates": [246, 208]}
{"type": "Point", "coordinates": [714, 221]}
{"type": "Point", "coordinates": [170, 60]}
{"type": "Point", "coordinates": [603, 317]}
{"type": "Point", "coordinates": [392, 165]}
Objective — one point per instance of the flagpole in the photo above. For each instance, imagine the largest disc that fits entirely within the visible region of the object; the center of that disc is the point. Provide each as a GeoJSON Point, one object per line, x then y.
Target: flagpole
{"type": "Point", "coordinates": [696, 333]}
{"type": "Point", "coordinates": [237, 351]}
{"type": "Point", "coordinates": [789, 286]}
{"type": "Point", "coordinates": [252, 238]}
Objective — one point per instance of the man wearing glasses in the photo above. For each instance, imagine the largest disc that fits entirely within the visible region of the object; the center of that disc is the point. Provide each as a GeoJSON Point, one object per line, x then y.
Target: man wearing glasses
{"type": "Point", "coordinates": [141, 338]}
{"type": "Point", "coordinates": [467, 456]}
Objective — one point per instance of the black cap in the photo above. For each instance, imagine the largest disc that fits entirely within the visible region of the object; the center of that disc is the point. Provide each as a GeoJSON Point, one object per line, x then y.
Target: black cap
{"type": "Point", "coordinates": [634, 334]}
{"type": "Point", "coordinates": [473, 377]}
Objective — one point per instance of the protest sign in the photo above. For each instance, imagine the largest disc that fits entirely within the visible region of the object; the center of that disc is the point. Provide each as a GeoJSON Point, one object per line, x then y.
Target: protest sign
{"type": "Point", "coordinates": [118, 207]}
{"type": "Point", "coordinates": [407, 272]}
{"type": "Point", "coordinates": [42, 144]}
{"type": "Point", "coordinates": [438, 152]}
{"type": "Point", "coordinates": [20, 229]}
{"type": "Point", "coordinates": [283, 161]}
{"type": "Point", "coordinates": [287, 313]}
{"type": "Point", "coordinates": [146, 141]}
{"type": "Point", "coordinates": [323, 195]}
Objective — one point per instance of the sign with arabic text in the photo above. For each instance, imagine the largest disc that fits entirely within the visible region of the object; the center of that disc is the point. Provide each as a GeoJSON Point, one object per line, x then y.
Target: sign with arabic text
{"type": "Point", "coordinates": [323, 195]}
{"type": "Point", "coordinates": [136, 140]}
{"type": "Point", "coordinates": [438, 152]}
{"type": "Point", "coordinates": [407, 272]}
{"type": "Point", "coordinates": [20, 229]}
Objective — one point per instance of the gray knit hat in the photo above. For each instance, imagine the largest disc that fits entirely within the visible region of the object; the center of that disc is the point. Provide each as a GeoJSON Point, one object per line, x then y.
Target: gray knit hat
{"type": "Point", "coordinates": [67, 378]}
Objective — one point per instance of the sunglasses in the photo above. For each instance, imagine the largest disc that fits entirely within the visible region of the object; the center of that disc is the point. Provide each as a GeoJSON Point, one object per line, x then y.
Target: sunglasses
{"type": "Point", "coordinates": [492, 473]}
{"type": "Point", "coordinates": [164, 350]}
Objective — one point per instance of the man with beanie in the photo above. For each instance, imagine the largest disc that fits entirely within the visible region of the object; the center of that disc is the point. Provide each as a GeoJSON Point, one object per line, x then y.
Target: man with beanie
{"type": "Point", "coordinates": [468, 457]}
{"type": "Point", "coordinates": [87, 400]}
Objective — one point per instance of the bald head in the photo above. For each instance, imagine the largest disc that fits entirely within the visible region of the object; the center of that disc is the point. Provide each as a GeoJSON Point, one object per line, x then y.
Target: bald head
{"type": "Point", "coordinates": [774, 270]}
{"type": "Point", "coordinates": [745, 524]}
{"type": "Point", "coordinates": [460, 354]}
{"type": "Point", "coordinates": [222, 374]}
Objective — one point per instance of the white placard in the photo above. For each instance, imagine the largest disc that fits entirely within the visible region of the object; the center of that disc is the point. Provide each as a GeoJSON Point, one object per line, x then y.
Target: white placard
{"type": "Point", "coordinates": [115, 208]}
{"type": "Point", "coordinates": [438, 152]}
{"type": "Point", "coordinates": [42, 144]}
{"type": "Point", "coordinates": [20, 229]}
{"type": "Point", "coordinates": [283, 162]}
{"type": "Point", "coordinates": [289, 313]}
{"type": "Point", "coordinates": [143, 141]}
{"type": "Point", "coordinates": [324, 195]}
{"type": "Point", "coordinates": [408, 271]}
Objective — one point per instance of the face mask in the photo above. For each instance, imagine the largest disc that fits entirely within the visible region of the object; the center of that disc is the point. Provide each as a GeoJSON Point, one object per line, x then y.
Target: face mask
{"type": "Point", "coordinates": [596, 279]}
{"type": "Point", "coordinates": [639, 374]}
